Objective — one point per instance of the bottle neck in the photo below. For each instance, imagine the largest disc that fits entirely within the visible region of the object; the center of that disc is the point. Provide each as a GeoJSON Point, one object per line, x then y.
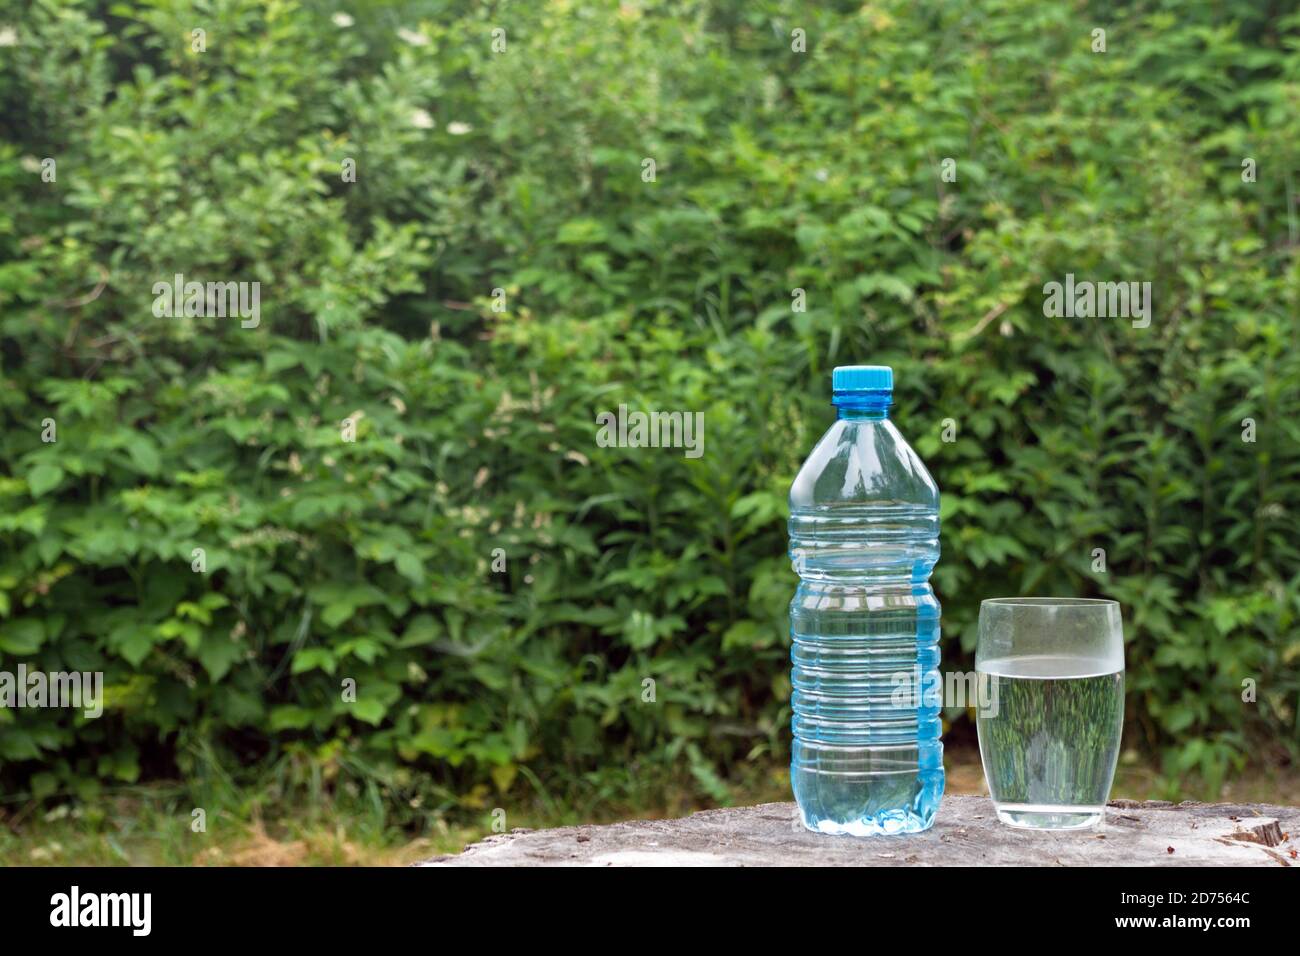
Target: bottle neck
{"type": "Point", "coordinates": [863, 409]}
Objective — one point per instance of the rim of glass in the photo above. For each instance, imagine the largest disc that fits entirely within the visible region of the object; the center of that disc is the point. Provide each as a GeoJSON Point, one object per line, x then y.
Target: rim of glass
{"type": "Point", "coordinates": [1048, 602]}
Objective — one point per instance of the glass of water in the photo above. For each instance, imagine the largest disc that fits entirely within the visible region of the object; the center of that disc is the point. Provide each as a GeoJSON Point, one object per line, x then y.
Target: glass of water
{"type": "Point", "coordinates": [1052, 678]}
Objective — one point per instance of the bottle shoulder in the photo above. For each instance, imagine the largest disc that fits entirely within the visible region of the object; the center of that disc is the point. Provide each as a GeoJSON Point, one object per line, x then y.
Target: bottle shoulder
{"type": "Point", "coordinates": [863, 461]}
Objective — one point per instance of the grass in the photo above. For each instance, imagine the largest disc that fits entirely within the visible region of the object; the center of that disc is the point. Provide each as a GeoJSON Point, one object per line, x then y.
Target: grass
{"type": "Point", "coordinates": [144, 827]}
{"type": "Point", "coordinates": [153, 826]}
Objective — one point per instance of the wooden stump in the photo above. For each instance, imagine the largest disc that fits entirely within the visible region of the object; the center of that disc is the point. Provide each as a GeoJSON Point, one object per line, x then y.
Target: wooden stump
{"type": "Point", "coordinates": [966, 833]}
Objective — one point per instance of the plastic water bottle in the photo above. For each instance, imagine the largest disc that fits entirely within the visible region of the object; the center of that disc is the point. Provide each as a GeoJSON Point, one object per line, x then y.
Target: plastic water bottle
{"type": "Point", "coordinates": [864, 537]}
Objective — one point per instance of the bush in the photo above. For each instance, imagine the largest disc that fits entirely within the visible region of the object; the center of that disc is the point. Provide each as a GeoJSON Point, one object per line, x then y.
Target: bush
{"type": "Point", "coordinates": [497, 585]}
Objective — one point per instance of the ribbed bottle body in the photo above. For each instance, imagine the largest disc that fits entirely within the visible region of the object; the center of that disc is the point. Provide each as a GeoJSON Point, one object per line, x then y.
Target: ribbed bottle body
{"type": "Point", "coordinates": [864, 623]}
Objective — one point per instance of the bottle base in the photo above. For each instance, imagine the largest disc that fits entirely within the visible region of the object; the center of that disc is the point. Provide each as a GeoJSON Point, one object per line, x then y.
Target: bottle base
{"type": "Point", "coordinates": [1024, 816]}
{"type": "Point", "coordinates": [868, 802]}
{"type": "Point", "coordinates": [889, 823]}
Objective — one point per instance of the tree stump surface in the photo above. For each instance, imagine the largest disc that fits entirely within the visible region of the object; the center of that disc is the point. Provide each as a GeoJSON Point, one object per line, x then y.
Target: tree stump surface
{"type": "Point", "coordinates": [966, 833]}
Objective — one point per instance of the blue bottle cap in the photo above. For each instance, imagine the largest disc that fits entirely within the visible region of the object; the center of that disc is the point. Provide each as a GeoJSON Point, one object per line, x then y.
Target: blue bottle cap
{"type": "Point", "coordinates": [850, 380]}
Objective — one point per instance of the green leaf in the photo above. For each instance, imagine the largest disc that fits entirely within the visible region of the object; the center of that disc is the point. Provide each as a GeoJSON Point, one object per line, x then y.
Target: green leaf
{"type": "Point", "coordinates": [23, 636]}
{"type": "Point", "coordinates": [217, 653]}
{"type": "Point", "coordinates": [132, 641]}
{"type": "Point", "coordinates": [578, 232]}
{"type": "Point", "coordinates": [144, 455]}
{"type": "Point", "coordinates": [311, 658]}
{"type": "Point", "coordinates": [369, 710]}
{"type": "Point", "coordinates": [410, 567]}
{"type": "Point", "coordinates": [43, 478]}
{"type": "Point", "coordinates": [336, 614]}
{"type": "Point", "coordinates": [290, 717]}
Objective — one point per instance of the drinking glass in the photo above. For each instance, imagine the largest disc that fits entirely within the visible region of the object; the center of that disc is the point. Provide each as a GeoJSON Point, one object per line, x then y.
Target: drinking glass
{"type": "Point", "coordinates": [1052, 670]}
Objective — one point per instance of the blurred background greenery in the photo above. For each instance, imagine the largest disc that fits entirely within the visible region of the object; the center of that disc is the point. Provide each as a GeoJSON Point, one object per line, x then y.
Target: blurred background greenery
{"type": "Point", "coordinates": [522, 170]}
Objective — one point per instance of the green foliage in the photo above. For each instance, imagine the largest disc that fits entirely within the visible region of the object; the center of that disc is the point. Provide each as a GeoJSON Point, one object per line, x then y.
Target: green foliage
{"type": "Point", "coordinates": [371, 560]}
